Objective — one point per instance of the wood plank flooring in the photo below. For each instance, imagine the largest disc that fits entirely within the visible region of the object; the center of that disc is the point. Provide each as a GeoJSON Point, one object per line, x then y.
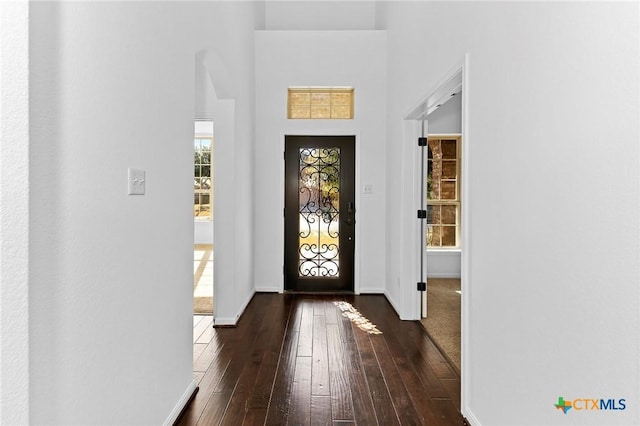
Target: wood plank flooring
{"type": "Point", "coordinates": [320, 360]}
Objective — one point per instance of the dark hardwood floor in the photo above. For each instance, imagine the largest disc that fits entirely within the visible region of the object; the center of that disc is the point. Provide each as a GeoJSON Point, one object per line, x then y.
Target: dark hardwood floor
{"type": "Point", "coordinates": [320, 360]}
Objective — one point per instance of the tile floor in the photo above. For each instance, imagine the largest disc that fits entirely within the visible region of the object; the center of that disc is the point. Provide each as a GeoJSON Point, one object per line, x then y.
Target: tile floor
{"type": "Point", "coordinates": [203, 279]}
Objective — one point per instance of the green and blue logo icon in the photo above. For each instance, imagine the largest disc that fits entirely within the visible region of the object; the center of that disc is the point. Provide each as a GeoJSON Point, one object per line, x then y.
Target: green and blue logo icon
{"type": "Point", "coordinates": [590, 404]}
{"type": "Point", "coordinates": [563, 405]}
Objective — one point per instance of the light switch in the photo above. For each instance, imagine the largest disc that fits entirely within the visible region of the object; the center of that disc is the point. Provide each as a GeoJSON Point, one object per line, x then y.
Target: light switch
{"type": "Point", "coordinates": [368, 188]}
{"type": "Point", "coordinates": [136, 181]}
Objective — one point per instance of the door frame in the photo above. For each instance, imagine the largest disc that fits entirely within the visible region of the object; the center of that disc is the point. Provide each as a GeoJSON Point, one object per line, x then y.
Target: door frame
{"type": "Point", "coordinates": [459, 74]}
{"type": "Point", "coordinates": [358, 193]}
{"type": "Point", "coordinates": [344, 280]}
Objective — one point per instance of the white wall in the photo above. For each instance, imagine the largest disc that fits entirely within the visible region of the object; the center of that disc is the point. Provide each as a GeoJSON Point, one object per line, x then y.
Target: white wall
{"type": "Point", "coordinates": [320, 15]}
{"type": "Point", "coordinates": [443, 263]}
{"type": "Point", "coordinates": [203, 232]}
{"type": "Point", "coordinates": [110, 312]}
{"type": "Point", "coordinates": [95, 297]}
{"type": "Point", "coordinates": [228, 60]}
{"type": "Point", "coordinates": [319, 58]}
{"type": "Point", "coordinates": [14, 213]}
{"type": "Point", "coordinates": [550, 313]}
{"type": "Point", "coordinates": [448, 117]}
{"type": "Point", "coordinates": [205, 91]}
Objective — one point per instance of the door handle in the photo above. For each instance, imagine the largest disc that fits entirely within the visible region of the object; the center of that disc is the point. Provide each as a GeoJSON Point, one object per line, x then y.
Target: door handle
{"type": "Point", "coordinates": [350, 212]}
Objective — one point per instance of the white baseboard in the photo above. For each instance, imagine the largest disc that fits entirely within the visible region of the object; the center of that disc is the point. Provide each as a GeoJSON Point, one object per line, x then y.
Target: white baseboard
{"type": "Point", "coordinates": [269, 289]}
{"type": "Point", "coordinates": [223, 321]}
{"type": "Point", "coordinates": [392, 302]}
{"type": "Point", "coordinates": [182, 402]}
{"type": "Point", "coordinates": [245, 304]}
{"type": "Point", "coordinates": [228, 321]}
{"type": "Point", "coordinates": [372, 291]}
{"type": "Point", "coordinates": [394, 305]}
{"type": "Point", "coordinates": [443, 275]}
{"type": "Point", "coordinates": [471, 418]}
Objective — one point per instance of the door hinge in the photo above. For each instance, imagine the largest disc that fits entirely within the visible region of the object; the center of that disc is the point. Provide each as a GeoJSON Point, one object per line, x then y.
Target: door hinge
{"type": "Point", "coordinates": [422, 214]}
{"type": "Point", "coordinates": [422, 141]}
{"type": "Point", "coordinates": [422, 286]}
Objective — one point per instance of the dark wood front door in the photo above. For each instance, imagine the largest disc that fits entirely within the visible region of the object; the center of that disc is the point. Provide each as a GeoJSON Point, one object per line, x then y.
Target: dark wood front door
{"type": "Point", "coordinates": [319, 213]}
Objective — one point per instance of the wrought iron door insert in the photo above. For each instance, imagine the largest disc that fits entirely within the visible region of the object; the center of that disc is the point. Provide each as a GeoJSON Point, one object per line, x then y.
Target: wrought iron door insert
{"type": "Point", "coordinates": [319, 212]}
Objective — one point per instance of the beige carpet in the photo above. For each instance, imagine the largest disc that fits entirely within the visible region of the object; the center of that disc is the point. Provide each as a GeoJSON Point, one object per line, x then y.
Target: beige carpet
{"type": "Point", "coordinates": [203, 279]}
{"type": "Point", "coordinates": [443, 316]}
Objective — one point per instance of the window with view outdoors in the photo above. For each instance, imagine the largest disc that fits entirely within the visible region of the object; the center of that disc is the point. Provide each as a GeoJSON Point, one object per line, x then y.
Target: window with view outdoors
{"type": "Point", "coordinates": [202, 178]}
{"type": "Point", "coordinates": [320, 103]}
{"type": "Point", "coordinates": [443, 192]}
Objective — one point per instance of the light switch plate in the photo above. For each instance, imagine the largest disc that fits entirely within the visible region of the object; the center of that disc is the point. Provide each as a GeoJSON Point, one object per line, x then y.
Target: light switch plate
{"type": "Point", "coordinates": [136, 181]}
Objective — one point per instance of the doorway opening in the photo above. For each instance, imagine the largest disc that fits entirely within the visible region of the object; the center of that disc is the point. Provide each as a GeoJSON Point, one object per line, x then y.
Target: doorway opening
{"type": "Point", "coordinates": [319, 213]}
{"type": "Point", "coordinates": [203, 217]}
{"type": "Point", "coordinates": [441, 240]}
{"type": "Point", "coordinates": [441, 246]}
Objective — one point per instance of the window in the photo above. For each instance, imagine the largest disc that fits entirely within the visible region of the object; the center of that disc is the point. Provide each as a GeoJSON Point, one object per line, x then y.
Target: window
{"type": "Point", "coordinates": [320, 102]}
{"type": "Point", "coordinates": [202, 178]}
{"type": "Point", "coordinates": [443, 192]}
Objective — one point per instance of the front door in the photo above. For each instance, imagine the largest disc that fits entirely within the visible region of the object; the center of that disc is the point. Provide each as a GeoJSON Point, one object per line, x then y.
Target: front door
{"type": "Point", "coordinates": [319, 213]}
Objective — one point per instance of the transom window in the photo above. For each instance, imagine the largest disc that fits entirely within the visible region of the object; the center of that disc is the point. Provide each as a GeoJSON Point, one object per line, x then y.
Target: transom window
{"type": "Point", "coordinates": [320, 103]}
{"type": "Point", "coordinates": [443, 192]}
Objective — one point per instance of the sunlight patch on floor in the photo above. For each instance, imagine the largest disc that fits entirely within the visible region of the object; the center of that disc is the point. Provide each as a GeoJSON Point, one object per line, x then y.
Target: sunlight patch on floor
{"type": "Point", "coordinates": [348, 311]}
